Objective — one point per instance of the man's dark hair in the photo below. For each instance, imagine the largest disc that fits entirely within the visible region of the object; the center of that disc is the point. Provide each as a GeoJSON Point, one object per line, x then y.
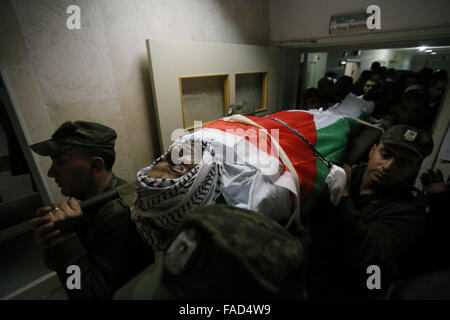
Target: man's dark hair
{"type": "Point", "coordinates": [342, 88]}
{"type": "Point", "coordinates": [365, 75]}
{"type": "Point", "coordinates": [375, 66]}
{"type": "Point", "coordinates": [359, 84]}
{"type": "Point", "coordinates": [325, 85]}
{"type": "Point", "coordinates": [311, 93]}
{"type": "Point", "coordinates": [108, 155]}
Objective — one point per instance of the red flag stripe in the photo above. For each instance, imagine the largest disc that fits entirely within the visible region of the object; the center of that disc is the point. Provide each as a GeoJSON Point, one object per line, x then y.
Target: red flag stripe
{"type": "Point", "coordinates": [299, 153]}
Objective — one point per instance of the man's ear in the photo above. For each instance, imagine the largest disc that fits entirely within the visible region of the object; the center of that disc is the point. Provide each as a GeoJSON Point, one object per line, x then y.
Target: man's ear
{"type": "Point", "coordinates": [97, 164]}
{"type": "Point", "coordinates": [372, 150]}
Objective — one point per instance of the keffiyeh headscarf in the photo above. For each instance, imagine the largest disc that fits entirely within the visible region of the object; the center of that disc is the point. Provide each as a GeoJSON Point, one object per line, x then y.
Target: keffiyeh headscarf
{"type": "Point", "coordinates": [160, 204]}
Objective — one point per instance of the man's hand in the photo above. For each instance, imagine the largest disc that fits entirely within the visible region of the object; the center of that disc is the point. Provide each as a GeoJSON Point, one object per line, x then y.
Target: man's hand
{"type": "Point", "coordinates": [45, 230]}
{"type": "Point", "coordinates": [68, 216]}
{"type": "Point", "coordinates": [433, 182]}
{"type": "Point", "coordinates": [55, 224]}
{"type": "Point", "coordinates": [348, 172]}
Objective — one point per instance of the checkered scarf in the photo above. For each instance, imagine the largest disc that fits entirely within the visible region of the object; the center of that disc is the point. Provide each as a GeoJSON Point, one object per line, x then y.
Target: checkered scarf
{"type": "Point", "coordinates": [160, 204]}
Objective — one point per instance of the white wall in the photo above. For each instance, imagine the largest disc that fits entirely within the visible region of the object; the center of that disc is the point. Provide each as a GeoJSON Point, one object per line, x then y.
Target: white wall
{"type": "Point", "coordinates": [385, 56]}
{"type": "Point", "coordinates": [100, 73]}
{"type": "Point", "coordinates": [310, 19]}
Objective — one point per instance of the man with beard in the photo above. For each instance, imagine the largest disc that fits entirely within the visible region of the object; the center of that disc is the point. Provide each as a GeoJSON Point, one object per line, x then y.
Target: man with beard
{"type": "Point", "coordinates": [375, 224]}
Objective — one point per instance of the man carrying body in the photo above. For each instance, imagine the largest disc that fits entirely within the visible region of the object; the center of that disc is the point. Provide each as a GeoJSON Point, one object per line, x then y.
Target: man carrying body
{"type": "Point", "coordinates": [102, 241]}
{"type": "Point", "coordinates": [376, 222]}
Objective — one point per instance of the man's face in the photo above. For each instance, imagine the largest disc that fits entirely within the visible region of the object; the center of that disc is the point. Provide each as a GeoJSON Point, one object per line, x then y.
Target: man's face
{"type": "Point", "coordinates": [411, 112]}
{"type": "Point", "coordinates": [178, 162]}
{"type": "Point", "coordinates": [72, 172]}
{"type": "Point", "coordinates": [368, 86]}
{"type": "Point", "coordinates": [391, 165]}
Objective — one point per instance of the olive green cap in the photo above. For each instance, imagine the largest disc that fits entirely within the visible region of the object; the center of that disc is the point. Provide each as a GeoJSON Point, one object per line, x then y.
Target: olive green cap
{"type": "Point", "coordinates": [76, 134]}
{"type": "Point", "coordinates": [223, 252]}
{"type": "Point", "coordinates": [414, 139]}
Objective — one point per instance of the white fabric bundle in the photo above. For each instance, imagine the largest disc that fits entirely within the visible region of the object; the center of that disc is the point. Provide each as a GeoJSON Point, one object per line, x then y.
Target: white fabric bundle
{"type": "Point", "coordinates": [336, 180]}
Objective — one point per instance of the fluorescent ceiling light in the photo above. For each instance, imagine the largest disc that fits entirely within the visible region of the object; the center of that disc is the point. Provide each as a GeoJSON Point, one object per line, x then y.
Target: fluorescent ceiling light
{"type": "Point", "coordinates": [422, 48]}
{"type": "Point", "coordinates": [434, 52]}
{"type": "Point", "coordinates": [428, 50]}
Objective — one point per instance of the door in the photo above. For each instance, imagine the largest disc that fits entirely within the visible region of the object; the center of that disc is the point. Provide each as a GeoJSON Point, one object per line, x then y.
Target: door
{"type": "Point", "coordinates": [352, 70]}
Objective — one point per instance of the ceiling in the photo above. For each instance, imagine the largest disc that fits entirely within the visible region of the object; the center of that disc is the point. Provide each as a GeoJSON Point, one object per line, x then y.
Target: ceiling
{"type": "Point", "coordinates": [434, 37]}
{"type": "Point", "coordinates": [437, 49]}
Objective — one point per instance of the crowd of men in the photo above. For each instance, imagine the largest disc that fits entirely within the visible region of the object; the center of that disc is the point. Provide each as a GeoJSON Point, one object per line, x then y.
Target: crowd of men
{"type": "Point", "coordinates": [219, 251]}
{"type": "Point", "coordinates": [399, 96]}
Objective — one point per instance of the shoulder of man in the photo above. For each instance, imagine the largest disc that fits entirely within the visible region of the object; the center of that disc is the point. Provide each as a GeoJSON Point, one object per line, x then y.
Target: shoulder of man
{"type": "Point", "coordinates": [403, 205]}
{"type": "Point", "coordinates": [113, 209]}
{"type": "Point", "coordinates": [118, 204]}
{"type": "Point", "coordinates": [116, 181]}
{"type": "Point", "coordinates": [407, 198]}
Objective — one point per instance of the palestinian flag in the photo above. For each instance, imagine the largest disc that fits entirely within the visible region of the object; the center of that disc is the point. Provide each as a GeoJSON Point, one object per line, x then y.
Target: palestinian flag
{"type": "Point", "coordinates": [328, 131]}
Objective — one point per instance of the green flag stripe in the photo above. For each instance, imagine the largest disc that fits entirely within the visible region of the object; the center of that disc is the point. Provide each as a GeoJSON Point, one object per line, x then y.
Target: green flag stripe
{"type": "Point", "coordinates": [331, 143]}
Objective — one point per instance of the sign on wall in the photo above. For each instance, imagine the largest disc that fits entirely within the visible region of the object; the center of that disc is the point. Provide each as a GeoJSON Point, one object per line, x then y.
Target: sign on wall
{"type": "Point", "coordinates": [355, 22]}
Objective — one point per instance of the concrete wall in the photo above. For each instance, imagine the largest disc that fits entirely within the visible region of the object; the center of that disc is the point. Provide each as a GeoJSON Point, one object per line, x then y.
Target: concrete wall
{"type": "Point", "coordinates": [173, 59]}
{"type": "Point", "coordinates": [100, 73]}
{"type": "Point", "coordinates": [310, 19]}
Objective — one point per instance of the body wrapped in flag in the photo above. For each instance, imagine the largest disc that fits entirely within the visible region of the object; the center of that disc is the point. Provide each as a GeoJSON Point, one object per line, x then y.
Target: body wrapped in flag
{"type": "Point", "coordinates": [252, 162]}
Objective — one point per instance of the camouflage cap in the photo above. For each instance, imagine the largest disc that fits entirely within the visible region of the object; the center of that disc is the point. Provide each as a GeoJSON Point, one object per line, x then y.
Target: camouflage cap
{"type": "Point", "coordinates": [224, 252]}
{"type": "Point", "coordinates": [417, 140]}
{"type": "Point", "coordinates": [77, 133]}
